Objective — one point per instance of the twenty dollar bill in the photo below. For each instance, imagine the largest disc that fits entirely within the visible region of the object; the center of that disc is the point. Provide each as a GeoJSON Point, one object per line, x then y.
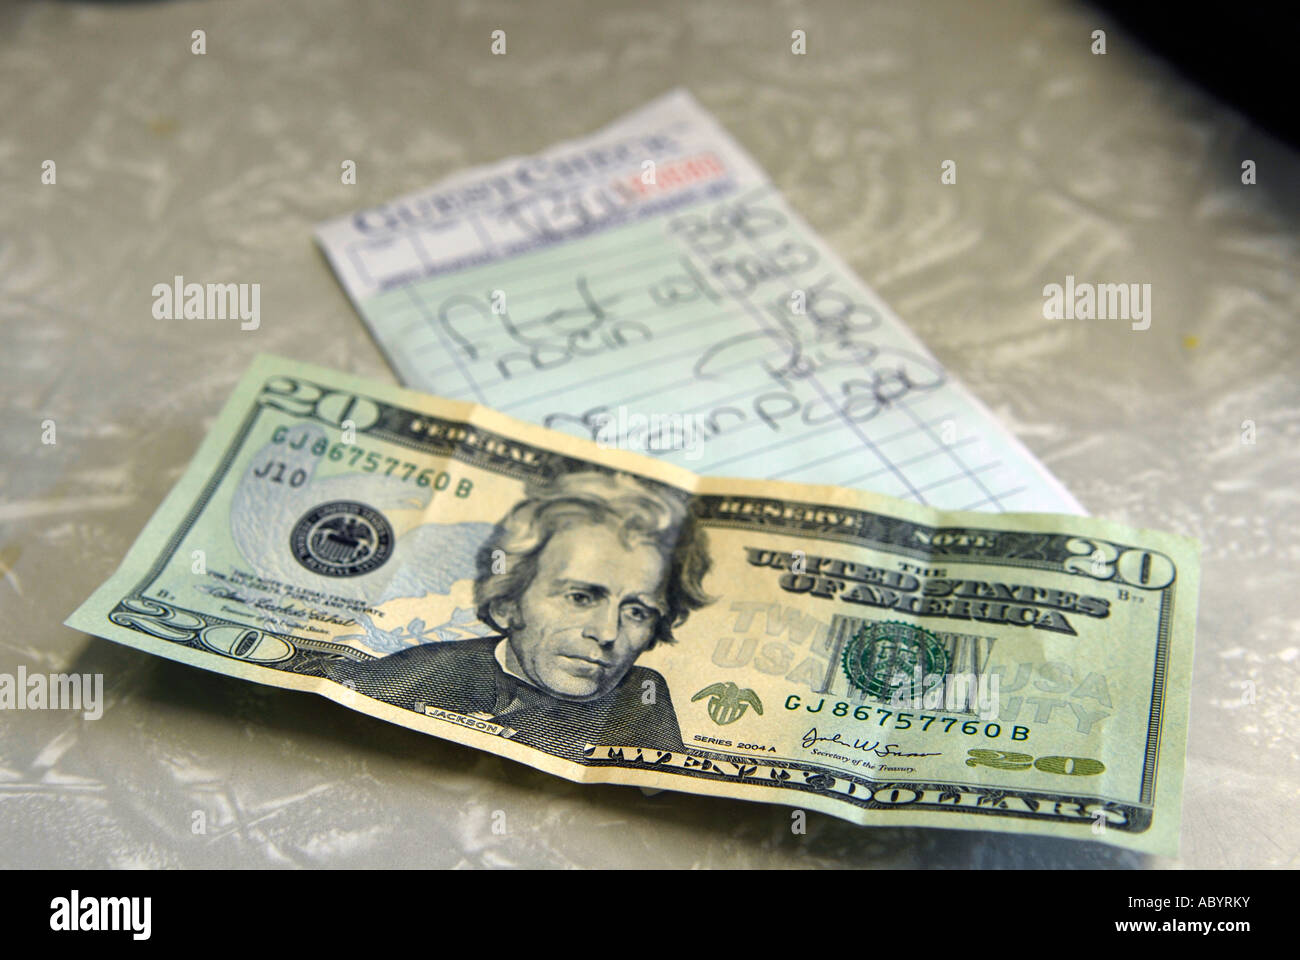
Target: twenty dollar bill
{"type": "Point", "coordinates": [609, 617]}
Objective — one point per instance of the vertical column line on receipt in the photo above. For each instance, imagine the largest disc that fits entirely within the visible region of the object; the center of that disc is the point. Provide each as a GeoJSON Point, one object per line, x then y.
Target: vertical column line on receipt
{"type": "Point", "coordinates": [414, 296]}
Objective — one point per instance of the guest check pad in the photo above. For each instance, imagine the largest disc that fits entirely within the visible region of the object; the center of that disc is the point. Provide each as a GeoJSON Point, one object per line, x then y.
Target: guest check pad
{"type": "Point", "coordinates": [649, 288]}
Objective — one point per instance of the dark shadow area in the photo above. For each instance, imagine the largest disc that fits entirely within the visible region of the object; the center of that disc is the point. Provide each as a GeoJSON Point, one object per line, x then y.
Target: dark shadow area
{"type": "Point", "coordinates": [1242, 54]}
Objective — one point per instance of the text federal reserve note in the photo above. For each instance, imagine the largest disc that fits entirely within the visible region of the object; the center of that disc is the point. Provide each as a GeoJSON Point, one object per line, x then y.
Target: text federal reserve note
{"type": "Point", "coordinates": [609, 617]}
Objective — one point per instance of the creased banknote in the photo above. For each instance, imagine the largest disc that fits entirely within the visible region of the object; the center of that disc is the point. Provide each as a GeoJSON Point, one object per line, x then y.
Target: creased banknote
{"type": "Point", "coordinates": [610, 617]}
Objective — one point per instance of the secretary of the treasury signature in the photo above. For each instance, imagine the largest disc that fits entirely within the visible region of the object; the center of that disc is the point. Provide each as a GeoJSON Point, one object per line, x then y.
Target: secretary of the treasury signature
{"type": "Point", "coordinates": [868, 746]}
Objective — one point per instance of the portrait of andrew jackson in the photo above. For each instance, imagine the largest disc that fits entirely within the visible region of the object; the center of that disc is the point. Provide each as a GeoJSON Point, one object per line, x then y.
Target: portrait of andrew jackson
{"type": "Point", "coordinates": [579, 578]}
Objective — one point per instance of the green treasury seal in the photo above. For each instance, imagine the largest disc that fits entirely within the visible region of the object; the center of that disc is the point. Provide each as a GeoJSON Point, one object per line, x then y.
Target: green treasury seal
{"type": "Point", "coordinates": [884, 656]}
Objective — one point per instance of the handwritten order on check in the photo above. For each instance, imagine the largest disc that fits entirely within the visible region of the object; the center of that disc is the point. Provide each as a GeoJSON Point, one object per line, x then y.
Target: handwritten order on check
{"type": "Point", "coordinates": [648, 286]}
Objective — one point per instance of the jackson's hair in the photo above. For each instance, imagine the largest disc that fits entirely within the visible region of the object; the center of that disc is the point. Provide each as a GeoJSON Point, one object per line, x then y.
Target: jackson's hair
{"type": "Point", "coordinates": [636, 510]}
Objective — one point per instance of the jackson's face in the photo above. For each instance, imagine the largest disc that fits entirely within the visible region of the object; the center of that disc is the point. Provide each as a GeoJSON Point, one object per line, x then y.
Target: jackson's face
{"type": "Point", "coordinates": [589, 612]}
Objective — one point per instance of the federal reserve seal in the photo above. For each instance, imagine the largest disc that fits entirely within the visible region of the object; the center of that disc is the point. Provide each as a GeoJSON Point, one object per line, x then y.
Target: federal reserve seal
{"type": "Point", "coordinates": [884, 656]}
{"type": "Point", "coordinates": [342, 538]}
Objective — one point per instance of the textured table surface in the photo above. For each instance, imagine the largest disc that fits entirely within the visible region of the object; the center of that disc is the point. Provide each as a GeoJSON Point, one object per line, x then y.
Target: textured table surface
{"type": "Point", "coordinates": [1112, 168]}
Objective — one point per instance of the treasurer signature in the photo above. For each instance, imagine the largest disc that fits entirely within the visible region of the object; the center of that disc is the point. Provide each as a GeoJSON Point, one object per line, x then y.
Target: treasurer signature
{"type": "Point", "coordinates": [868, 746]}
